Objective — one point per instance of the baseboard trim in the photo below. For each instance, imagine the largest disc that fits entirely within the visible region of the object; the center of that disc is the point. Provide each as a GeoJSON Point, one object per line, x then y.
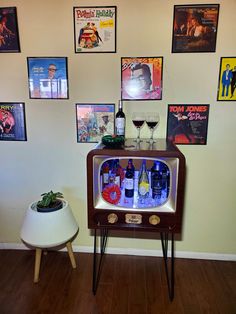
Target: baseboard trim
{"type": "Point", "coordinates": [137, 252]}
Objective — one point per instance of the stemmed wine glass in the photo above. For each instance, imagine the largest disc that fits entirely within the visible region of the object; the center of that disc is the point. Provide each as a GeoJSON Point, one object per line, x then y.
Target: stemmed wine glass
{"type": "Point", "coordinates": [152, 120]}
{"type": "Point", "coordinates": [138, 119]}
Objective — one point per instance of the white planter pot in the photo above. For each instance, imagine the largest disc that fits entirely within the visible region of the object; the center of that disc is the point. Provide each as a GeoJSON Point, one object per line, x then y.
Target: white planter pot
{"type": "Point", "coordinates": [51, 229]}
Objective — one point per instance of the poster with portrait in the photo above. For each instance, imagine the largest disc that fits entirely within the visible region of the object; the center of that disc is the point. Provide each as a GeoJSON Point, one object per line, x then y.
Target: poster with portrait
{"type": "Point", "coordinates": [48, 77]}
{"type": "Point", "coordinates": [141, 78]}
{"type": "Point", "coordinates": [187, 124]}
{"type": "Point", "coordinates": [93, 121]}
{"type": "Point", "coordinates": [95, 29]}
{"type": "Point", "coordinates": [12, 121]}
{"type": "Point", "coordinates": [195, 28]}
{"type": "Point", "coordinates": [227, 79]}
{"type": "Point", "coordinates": [9, 36]}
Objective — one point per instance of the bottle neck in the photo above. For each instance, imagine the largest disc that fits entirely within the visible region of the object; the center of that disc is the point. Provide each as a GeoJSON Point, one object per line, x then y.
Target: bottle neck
{"type": "Point", "coordinates": [120, 106]}
{"type": "Point", "coordinates": [143, 166]}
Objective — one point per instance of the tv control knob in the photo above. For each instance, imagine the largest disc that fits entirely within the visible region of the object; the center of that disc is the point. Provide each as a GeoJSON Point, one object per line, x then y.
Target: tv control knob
{"type": "Point", "coordinates": [112, 218]}
{"type": "Point", "coordinates": [154, 220]}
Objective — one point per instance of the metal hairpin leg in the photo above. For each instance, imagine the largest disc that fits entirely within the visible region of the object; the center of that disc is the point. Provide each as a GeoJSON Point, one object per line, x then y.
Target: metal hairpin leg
{"type": "Point", "coordinates": [103, 242]}
{"type": "Point", "coordinates": [169, 272]}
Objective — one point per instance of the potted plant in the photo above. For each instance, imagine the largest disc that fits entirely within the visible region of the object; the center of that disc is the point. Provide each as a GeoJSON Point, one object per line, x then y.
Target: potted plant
{"type": "Point", "coordinates": [50, 202]}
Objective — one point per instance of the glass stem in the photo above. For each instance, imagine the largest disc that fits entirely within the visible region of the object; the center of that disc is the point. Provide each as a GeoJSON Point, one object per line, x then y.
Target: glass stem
{"type": "Point", "coordinates": [138, 137]}
{"type": "Point", "coordinates": [151, 138]}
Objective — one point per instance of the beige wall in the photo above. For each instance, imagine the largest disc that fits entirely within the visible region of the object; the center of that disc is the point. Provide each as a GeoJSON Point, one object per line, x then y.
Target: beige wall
{"type": "Point", "coordinates": [51, 158]}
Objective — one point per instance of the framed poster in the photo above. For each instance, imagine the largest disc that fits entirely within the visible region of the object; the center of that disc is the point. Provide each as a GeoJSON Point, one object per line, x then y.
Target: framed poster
{"type": "Point", "coordinates": [227, 79]}
{"type": "Point", "coordinates": [95, 29]}
{"type": "Point", "coordinates": [48, 77]}
{"type": "Point", "coordinates": [94, 121]}
{"type": "Point", "coordinates": [9, 36]}
{"type": "Point", "coordinates": [141, 78]}
{"type": "Point", "coordinates": [187, 124]}
{"type": "Point", "coordinates": [195, 28]}
{"type": "Point", "coordinates": [12, 121]}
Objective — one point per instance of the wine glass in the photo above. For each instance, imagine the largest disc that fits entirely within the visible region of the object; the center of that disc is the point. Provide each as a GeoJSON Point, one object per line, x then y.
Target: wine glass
{"type": "Point", "coordinates": [152, 120]}
{"type": "Point", "coordinates": [138, 119]}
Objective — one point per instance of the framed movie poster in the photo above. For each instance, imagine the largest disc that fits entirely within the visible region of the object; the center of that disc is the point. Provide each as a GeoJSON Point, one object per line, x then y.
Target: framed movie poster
{"type": "Point", "coordinates": [141, 78]}
{"type": "Point", "coordinates": [12, 121]}
{"type": "Point", "coordinates": [195, 28]}
{"type": "Point", "coordinates": [227, 79]}
{"type": "Point", "coordinates": [93, 121]}
{"type": "Point", "coordinates": [9, 36]}
{"type": "Point", "coordinates": [187, 124]}
{"type": "Point", "coordinates": [48, 77]}
{"type": "Point", "coordinates": [95, 29]}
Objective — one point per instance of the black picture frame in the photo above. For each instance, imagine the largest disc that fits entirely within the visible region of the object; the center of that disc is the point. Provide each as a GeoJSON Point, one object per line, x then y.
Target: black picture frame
{"type": "Point", "coordinates": [90, 124]}
{"type": "Point", "coordinates": [48, 77]}
{"type": "Point", "coordinates": [227, 79]}
{"type": "Point", "coordinates": [195, 28]}
{"type": "Point", "coordinates": [12, 121]}
{"type": "Point", "coordinates": [187, 124]}
{"type": "Point", "coordinates": [9, 34]}
{"type": "Point", "coordinates": [95, 29]}
{"type": "Point", "coordinates": [141, 78]}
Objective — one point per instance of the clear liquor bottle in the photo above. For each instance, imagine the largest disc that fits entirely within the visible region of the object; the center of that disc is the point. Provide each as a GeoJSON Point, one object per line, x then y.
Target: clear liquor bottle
{"type": "Point", "coordinates": [143, 183]}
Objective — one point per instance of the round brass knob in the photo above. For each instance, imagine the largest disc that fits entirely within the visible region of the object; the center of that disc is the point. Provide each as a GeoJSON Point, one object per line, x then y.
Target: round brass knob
{"type": "Point", "coordinates": [154, 220]}
{"type": "Point", "coordinates": [112, 218]}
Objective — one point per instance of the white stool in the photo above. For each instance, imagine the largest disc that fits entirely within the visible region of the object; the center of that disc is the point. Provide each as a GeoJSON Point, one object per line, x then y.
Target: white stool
{"type": "Point", "coordinates": [47, 230]}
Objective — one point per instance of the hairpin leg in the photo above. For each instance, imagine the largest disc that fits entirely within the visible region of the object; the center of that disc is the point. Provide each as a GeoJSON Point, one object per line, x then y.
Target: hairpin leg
{"type": "Point", "coordinates": [169, 270]}
{"type": "Point", "coordinates": [97, 270]}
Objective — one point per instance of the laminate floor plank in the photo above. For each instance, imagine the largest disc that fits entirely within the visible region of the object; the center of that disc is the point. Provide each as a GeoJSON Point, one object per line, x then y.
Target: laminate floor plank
{"type": "Point", "coordinates": [121, 289]}
{"type": "Point", "coordinates": [137, 286]}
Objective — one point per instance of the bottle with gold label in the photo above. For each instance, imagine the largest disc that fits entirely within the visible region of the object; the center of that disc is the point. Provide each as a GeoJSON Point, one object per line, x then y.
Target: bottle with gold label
{"type": "Point", "coordinates": [143, 183]}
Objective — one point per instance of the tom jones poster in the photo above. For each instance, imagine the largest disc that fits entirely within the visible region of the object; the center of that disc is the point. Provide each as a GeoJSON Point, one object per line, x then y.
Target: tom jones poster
{"type": "Point", "coordinates": [9, 37]}
{"type": "Point", "coordinates": [95, 29]}
{"type": "Point", "coordinates": [12, 122]}
{"type": "Point", "coordinates": [227, 79]}
{"type": "Point", "coordinates": [141, 78]}
{"type": "Point", "coordinates": [93, 121]}
{"type": "Point", "coordinates": [187, 124]}
{"type": "Point", "coordinates": [195, 28]}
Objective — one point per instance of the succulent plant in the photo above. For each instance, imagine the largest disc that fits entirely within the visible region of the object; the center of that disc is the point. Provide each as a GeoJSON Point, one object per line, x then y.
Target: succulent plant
{"type": "Point", "coordinates": [49, 199]}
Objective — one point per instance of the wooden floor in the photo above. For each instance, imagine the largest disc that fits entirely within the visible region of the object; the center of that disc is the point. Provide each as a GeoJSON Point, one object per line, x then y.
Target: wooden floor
{"type": "Point", "coordinates": [128, 284]}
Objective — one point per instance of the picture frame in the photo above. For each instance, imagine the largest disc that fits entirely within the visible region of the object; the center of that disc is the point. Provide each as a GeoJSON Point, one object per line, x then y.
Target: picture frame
{"type": "Point", "coordinates": [12, 121]}
{"type": "Point", "coordinates": [95, 29]}
{"type": "Point", "coordinates": [195, 28]}
{"type": "Point", "coordinates": [141, 78]}
{"type": "Point", "coordinates": [93, 121]}
{"type": "Point", "coordinates": [48, 77]}
{"type": "Point", "coordinates": [227, 79]}
{"type": "Point", "coordinates": [9, 35]}
{"type": "Point", "coordinates": [187, 124]}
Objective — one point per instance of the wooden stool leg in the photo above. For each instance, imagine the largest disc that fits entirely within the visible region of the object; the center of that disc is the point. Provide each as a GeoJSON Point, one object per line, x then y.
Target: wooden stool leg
{"type": "Point", "coordinates": [71, 254]}
{"type": "Point", "coordinates": [38, 253]}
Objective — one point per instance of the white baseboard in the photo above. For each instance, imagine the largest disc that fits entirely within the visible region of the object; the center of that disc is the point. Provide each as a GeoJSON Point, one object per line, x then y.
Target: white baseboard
{"type": "Point", "coordinates": [138, 252]}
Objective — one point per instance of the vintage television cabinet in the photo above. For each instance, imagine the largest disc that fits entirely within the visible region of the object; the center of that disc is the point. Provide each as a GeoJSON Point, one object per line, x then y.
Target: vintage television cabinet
{"type": "Point", "coordinates": [163, 215]}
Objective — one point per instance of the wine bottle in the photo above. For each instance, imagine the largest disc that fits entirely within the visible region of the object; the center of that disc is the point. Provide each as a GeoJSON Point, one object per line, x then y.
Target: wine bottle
{"type": "Point", "coordinates": [117, 172]}
{"type": "Point", "coordinates": [112, 172]}
{"type": "Point", "coordinates": [165, 179]}
{"type": "Point", "coordinates": [131, 165]}
{"type": "Point", "coordinates": [156, 180]}
{"type": "Point", "coordinates": [168, 182]}
{"type": "Point", "coordinates": [120, 120]}
{"type": "Point", "coordinates": [105, 174]}
{"type": "Point", "coordinates": [129, 179]}
{"type": "Point", "coordinates": [143, 182]}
